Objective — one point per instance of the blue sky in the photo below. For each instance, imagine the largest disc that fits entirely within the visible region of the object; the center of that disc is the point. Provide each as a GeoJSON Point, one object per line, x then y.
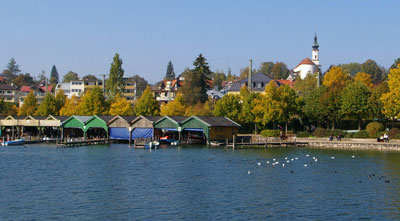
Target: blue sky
{"type": "Point", "coordinates": [83, 36]}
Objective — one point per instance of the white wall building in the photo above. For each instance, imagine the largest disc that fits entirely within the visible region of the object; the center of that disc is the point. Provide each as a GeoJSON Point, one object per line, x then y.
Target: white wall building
{"type": "Point", "coordinates": [71, 88]}
{"type": "Point", "coordinates": [307, 65]}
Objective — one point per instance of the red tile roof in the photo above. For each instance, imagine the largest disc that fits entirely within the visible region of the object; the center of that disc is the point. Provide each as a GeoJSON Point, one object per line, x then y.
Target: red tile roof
{"type": "Point", "coordinates": [43, 88]}
{"type": "Point", "coordinates": [286, 82]}
{"type": "Point", "coordinates": [306, 61]}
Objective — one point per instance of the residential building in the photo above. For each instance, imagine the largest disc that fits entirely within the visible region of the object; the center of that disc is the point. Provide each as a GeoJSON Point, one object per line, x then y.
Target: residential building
{"type": "Point", "coordinates": [92, 83]}
{"type": "Point", "coordinates": [167, 90]}
{"type": "Point", "coordinates": [71, 88]}
{"type": "Point", "coordinates": [258, 81]}
{"type": "Point", "coordinates": [130, 89]}
{"type": "Point", "coordinates": [8, 93]}
{"type": "Point", "coordinates": [39, 91]}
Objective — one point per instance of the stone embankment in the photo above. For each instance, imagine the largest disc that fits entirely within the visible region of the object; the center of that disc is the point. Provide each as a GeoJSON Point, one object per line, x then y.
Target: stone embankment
{"type": "Point", "coordinates": [352, 144]}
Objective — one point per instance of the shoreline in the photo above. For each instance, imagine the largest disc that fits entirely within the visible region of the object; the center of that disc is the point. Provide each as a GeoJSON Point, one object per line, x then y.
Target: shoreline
{"type": "Point", "coordinates": [352, 144]}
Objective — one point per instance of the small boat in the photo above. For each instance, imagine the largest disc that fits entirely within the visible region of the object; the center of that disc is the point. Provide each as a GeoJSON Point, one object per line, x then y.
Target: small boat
{"type": "Point", "coordinates": [196, 139]}
{"type": "Point", "coordinates": [216, 143]}
{"type": "Point", "coordinates": [13, 142]}
{"type": "Point", "coordinates": [167, 140]}
{"type": "Point", "coordinates": [152, 145]}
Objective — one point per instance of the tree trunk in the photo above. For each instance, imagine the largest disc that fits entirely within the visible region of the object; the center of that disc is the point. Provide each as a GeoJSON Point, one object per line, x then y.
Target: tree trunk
{"type": "Point", "coordinates": [285, 128]}
{"type": "Point", "coordinates": [333, 125]}
{"type": "Point", "coordinates": [359, 124]}
{"type": "Point", "coordinates": [255, 128]}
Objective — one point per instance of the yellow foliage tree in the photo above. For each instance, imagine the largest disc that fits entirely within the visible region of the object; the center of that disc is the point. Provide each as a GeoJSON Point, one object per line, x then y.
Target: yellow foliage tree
{"type": "Point", "coordinates": [266, 107]}
{"type": "Point", "coordinates": [175, 107]}
{"type": "Point", "coordinates": [335, 76]}
{"type": "Point", "coordinates": [120, 106]}
{"type": "Point", "coordinates": [200, 109]}
{"type": "Point", "coordinates": [364, 78]}
{"type": "Point", "coordinates": [70, 106]}
{"type": "Point", "coordinates": [391, 100]}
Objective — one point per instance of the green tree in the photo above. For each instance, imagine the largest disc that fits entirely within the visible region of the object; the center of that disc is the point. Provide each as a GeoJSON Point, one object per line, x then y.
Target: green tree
{"type": "Point", "coordinates": [289, 105]}
{"type": "Point", "coordinates": [266, 107]}
{"type": "Point", "coordinates": [93, 103]}
{"type": "Point", "coordinates": [280, 71]}
{"type": "Point", "coordinates": [376, 105]}
{"type": "Point", "coordinates": [331, 104]}
{"type": "Point", "coordinates": [197, 81]}
{"type": "Point", "coordinates": [228, 106]}
{"type": "Point", "coordinates": [60, 101]}
{"type": "Point", "coordinates": [115, 82]}
{"type": "Point", "coordinates": [248, 100]}
{"type": "Point", "coordinates": [54, 76]}
{"type": "Point", "coordinates": [70, 76]}
{"type": "Point", "coordinates": [313, 109]}
{"type": "Point", "coordinates": [29, 106]}
{"type": "Point", "coordinates": [48, 106]}
{"type": "Point", "coordinates": [355, 102]}
{"type": "Point", "coordinates": [141, 84]}
{"type": "Point", "coordinates": [89, 77]}
{"type": "Point", "coordinates": [147, 105]}
{"type": "Point", "coordinates": [395, 64]}
{"type": "Point", "coordinates": [266, 68]}
{"type": "Point", "coordinates": [41, 77]}
{"type": "Point", "coordinates": [372, 68]}
{"type": "Point", "coordinates": [170, 74]}
{"type": "Point", "coordinates": [306, 85]}
{"type": "Point", "coordinates": [7, 108]}
{"type": "Point", "coordinates": [351, 68]}
{"type": "Point", "coordinates": [12, 70]}
{"type": "Point", "coordinates": [218, 77]}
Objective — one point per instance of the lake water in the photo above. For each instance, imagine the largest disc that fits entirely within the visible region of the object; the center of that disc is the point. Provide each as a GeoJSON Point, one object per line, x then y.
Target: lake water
{"type": "Point", "coordinates": [196, 183]}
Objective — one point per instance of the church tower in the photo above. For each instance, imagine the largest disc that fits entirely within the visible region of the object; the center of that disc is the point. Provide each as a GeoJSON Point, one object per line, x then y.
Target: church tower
{"type": "Point", "coordinates": [315, 51]}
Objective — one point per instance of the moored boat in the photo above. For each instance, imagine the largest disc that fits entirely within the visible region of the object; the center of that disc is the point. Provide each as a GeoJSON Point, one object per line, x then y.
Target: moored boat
{"type": "Point", "coordinates": [13, 142]}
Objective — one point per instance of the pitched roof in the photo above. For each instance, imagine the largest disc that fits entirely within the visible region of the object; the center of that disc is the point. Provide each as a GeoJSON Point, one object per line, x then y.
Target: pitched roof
{"type": "Point", "coordinates": [128, 118]}
{"type": "Point", "coordinates": [285, 82]}
{"type": "Point", "coordinates": [31, 87]}
{"type": "Point", "coordinates": [106, 118]}
{"type": "Point", "coordinates": [219, 121]}
{"type": "Point", "coordinates": [82, 118]}
{"type": "Point", "coordinates": [255, 79]}
{"type": "Point", "coordinates": [153, 118]}
{"type": "Point", "coordinates": [178, 119]}
{"type": "Point", "coordinates": [305, 61]}
{"type": "Point", "coordinates": [6, 87]}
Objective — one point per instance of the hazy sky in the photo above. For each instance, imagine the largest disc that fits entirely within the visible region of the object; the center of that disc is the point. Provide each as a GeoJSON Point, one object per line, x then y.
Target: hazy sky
{"type": "Point", "coordinates": [84, 35]}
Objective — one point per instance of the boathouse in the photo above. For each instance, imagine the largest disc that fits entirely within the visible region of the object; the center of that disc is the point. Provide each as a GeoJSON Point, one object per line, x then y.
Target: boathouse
{"type": "Point", "coordinates": [96, 127]}
{"type": "Point", "coordinates": [143, 127]}
{"type": "Point", "coordinates": [9, 126]}
{"type": "Point", "coordinates": [213, 128]}
{"type": "Point", "coordinates": [75, 126]}
{"type": "Point", "coordinates": [170, 125]}
{"type": "Point", "coordinates": [120, 126]}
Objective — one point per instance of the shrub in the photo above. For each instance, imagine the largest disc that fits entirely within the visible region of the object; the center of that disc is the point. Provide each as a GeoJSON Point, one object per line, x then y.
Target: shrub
{"type": "Point", "coordinates": [322, 132]}
{"type": "Point", "coordinates": [360, 134]}
{"type": "Point", "coordinates": [271, 133]}
{"type": "Point", "coordinates": [303, 134]}
{"type": "Point", "coordinates": [394, 133]}
{"type": "Point", "coordinates": [374, 128]}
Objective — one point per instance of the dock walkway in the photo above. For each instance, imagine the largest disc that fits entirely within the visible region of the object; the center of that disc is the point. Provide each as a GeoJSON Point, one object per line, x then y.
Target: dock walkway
{"type": "Point", "coordinates": [76, 143]}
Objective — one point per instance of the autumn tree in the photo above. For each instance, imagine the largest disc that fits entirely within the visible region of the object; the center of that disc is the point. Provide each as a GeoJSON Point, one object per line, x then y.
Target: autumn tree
{"type": "Point", "coordinates": [121, 106]}
{"type": "Point", "coordinates": [351, 68]}
{"type": "Point", "coordinates": [354, 102]}
{"type": "Point", "coordinates": [375, 102]}
{"type": "Point", "coordinates": [176, 107]}
{"type": "Point", "coordinates": [93, 102]}
{"type": "Point", "coordinates": [391, 99]}
{"type": "Point", "coordinates": [54, 76]}
{"type": "Point", "coordinates": [22, 80]}
{"type": "Point", "coordinates": [48, 106]}
{"type": "Point", "coordinates": [266, 68]}
{"type": "Point", "coordinates": [396, 63]}
{"type": "Point", "coordinates": [147, 105]}
{"type": "Point", "coordinates": [170, 74]}
{"type": "Point", "coordinates": [336, 76]}
{"type": "Point", "coordinates": [306, 85]}
{"type": "Point", "coordinates": [29, 106]}
{"type": "Point", "coordinates": [70, 76]}
{"type": "Point", "coordinates": [228, 106]}
{"type": "Point", "coordinates": [288, 105]}
{"type": "Point", "coordinates": [7, 108]}
{"type": "Point", "coordinates": [60, 101]}
{"type": "Point", "coordinates": [266, 108]}
{"type": "Point", "coordinates": [71, 106]}
{"type": "Point", "coordinates": [115, 82]}
{"type": "Point", "coordinates": [330, 103]}
{"type": "Point", "coordinates": [364, 78]}
{"type": "Point", "coordinates": [200, 109]}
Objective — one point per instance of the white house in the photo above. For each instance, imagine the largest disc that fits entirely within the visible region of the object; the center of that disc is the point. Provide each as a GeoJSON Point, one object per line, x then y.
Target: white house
{"type": "Point", "coordinates": [71, 88]}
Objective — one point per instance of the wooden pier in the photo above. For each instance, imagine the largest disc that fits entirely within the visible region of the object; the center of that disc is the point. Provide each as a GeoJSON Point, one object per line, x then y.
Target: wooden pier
{"type": "Point", "coordinates": [76, 143]}
{"type": "Point", "coordinates": [257, 142]}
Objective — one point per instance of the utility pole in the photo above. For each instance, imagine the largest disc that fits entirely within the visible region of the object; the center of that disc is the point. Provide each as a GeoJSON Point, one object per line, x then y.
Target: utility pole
{"type": "Point", "coordinates": [249, 83]}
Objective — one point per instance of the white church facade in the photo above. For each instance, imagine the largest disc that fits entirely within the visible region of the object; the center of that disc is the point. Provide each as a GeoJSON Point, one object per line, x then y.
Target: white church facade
{"type": "Point", "coordinates": [307, 65]}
